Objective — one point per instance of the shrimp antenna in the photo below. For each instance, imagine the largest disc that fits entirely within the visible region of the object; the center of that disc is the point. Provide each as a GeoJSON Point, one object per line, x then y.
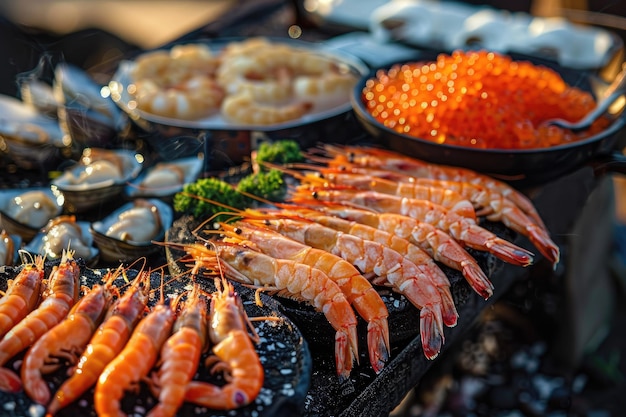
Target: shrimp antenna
{"type": "Point", "coordinates": [26, 256]}
{"type": "Point", "coordinates": [287, 169]}
{"type": "Point", "coordinates": [318, 158]}
{"type": "Point", "coordinates": [221, 282]}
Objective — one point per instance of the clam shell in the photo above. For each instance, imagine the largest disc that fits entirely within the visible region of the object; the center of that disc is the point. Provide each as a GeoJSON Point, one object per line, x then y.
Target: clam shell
{"type": "Point", "coordinates": [9, 248]}
{"type": "Point", "coordinates": [186, 170]}
{"type": "Point", "coordinates": [39, 95]}
{"type": "Point", "coordinates": [116, 250]}
{"type": "Point", "coordinates": [38, 244]}
{"type": "Point", "coordinates": [25, 230]}
{"type": "Point", "coordinates": [31, 139]}
{"type": "Point", "coordinates": [80, 197]}
{"type": "Point", "coordinates": [86, 111]}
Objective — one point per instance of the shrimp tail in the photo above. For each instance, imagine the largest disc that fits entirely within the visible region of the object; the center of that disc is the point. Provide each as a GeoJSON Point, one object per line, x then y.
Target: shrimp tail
{"type": "Point", "coordinates": [539, 237]}
{"type": "Point", "coordinates": [476, 237]}
{"type": "Point", "coordinates": [378, 343]}
{"type": "Point", "coordinates": [346, 341]}
{"type": "Point", "coordinates": [477, 279]}
{"type": "Point", "coordinates": [200, 392]}
{"type": "Point", "coordinates": [526, 225]}
{"type": "Point", "coordinates": [431, 331]}
{"type": "Point", "coordinates": [449, 313]}
{"type": "Point", "coordinates": [38, 391]}
{"type": "Point", "coordinates": [9, 381]}
{"type": "Point", "coordinates": [345, 346]}
{"type": "Point", "coordinates": [509, 252]}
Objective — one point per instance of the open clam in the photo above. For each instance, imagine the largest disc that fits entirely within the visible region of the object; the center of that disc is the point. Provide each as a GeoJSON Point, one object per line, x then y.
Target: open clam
{"type": "Point", "coordinates": [39, 95]}
{"type": "Point", "coordinates": [31, 139]}
{"type": "Point", "coordinates": [166, 178]}
{"type": "Point", "coordinates": [24, 211]}
{"type": "Point", "coordinates": [99, 176]}
{"type": "Point", "coordinates": [128, 232]}
{"type": "Point", "coordinates": [86, 111]}
{"type": "Point", "coordinates": [9, 246]}
{"type": "Point", "coordinates": [62, 233]}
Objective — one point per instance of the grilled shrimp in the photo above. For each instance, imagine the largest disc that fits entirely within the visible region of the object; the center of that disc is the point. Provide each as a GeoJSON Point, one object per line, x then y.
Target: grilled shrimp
{"type": "Point", "coordinates": [135, 360]}
{"type": "Point", "coordinates": [496, 207]}
{"type": "Point", "coordinates": [233, 353]}
{"type": "Point", "coordinates": [66, 340]}
{"type": "Point", "coordinates": [22, 295]}
{"type": "Point", "coordinates": [357, 289]}
{"type": "Point", "coordinates": [462, 229]}
{"type": "Point", "coordinates": [180, 355]}
{"type": "Point", "coordinates": [430, 271]}
{"type": "Point", "coordinates": [292, 279]}
{"type": "Point", "coordinates": [379, 158]}
{"type": "Point", "coordinates": [491, 204]}
{"type": "Point", "coordinates": [373, 258]}
{"type": "Point", "coordinates": [58, 298]}
{"type": "Point", "coordinates": [448, 198]}
{"type": "Point", "coordinates": [438, 244]}
{"type": "Point", "coordinates": [108, 340]}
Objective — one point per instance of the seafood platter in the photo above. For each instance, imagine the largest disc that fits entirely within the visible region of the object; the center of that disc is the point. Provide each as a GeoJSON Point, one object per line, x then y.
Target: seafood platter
{"type": "Point", "coordinates": [411, 273]}
{"type": "Point", "coordinates": [220, 96]}
{"type": "Point", "coordinates": [361, 260]}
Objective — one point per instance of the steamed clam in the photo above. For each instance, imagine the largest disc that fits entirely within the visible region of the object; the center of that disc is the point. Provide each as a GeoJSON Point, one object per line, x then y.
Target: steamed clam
{"type": "Point", "coordinates": [166, 178]}
{"type": "Point", "coordinates": [100, 175]}
{"type": "Point", "coordinates": [31, 139]}
{"type": "Point", "coordinates": [62, 233]}
{"type": "Point", "coordinates": [139, 223]}
{"type": "Point", "coordinates": [129, 231]}
{"type": "Point", "coordinates": [24, 212]}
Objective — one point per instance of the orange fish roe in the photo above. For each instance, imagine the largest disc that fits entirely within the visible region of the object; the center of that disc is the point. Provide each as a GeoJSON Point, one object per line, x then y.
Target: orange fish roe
{"type": "Point", "coordinates": [478, 99]}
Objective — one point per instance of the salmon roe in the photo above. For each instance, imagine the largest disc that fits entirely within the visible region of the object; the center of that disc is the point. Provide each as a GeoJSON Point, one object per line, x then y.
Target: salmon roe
{"type": "Point", "coordinates": [478, 99]}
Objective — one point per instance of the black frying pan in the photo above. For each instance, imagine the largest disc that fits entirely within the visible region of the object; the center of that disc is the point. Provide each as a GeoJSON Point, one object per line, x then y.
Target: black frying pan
{"type": "Point", "coordinates": [520, 167]}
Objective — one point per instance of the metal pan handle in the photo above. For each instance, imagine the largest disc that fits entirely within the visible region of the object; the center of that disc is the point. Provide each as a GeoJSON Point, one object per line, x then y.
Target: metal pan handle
{"type": "Point", "coordinates": [614, 163]}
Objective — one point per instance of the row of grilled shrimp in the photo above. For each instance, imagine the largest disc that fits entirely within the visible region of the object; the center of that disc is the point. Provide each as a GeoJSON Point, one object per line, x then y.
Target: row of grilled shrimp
{"type": "Point", "coordinates": [370, 217]}
{"type": "Point", "coordinates": [113, 341]}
